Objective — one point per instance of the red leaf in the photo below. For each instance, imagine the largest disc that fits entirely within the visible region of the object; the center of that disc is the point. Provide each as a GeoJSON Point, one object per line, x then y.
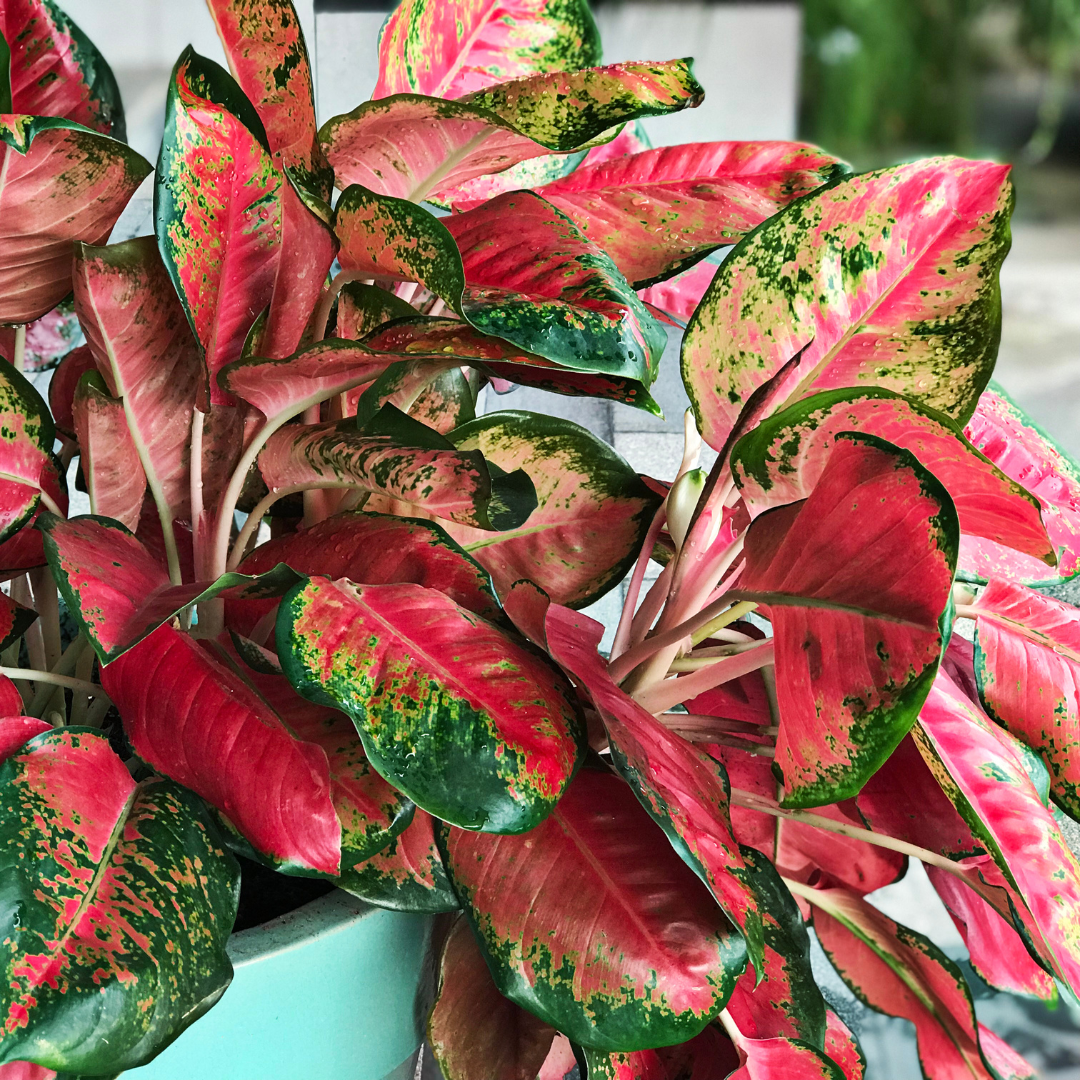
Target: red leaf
{"type": "Point", "coordinates": [843, 1048]}
{"type": "Point", "coordinates": [679, 296]}
{"type": "Point", "coordinates": [15, 620]}
{"type": "Point", "coordinates": [24, 1070]}
{"type": "Point", "coordinates": [11, 701]}
{"type": "Point", "coordinates": [14, 732]}
{"type": "Point", "coordinates": [62, 387]}
{"type": "Point", "coordinates": [782, 1059]}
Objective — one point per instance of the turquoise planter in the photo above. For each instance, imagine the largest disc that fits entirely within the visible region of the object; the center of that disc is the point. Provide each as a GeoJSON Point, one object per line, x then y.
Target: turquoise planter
{"type": "Point", "coordinates": [336, 990]}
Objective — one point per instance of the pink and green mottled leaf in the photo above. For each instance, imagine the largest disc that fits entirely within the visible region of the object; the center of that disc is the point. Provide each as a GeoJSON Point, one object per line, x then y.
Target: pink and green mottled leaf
{"type": "Point", "coordinates": [422, 472]}
{"type": "Point", "coordinates": [362, 309]}
{"type": "Point", "coordinates": [24, 550]}
{"type": "Point", "coordinates": [54, 69]}
{"type": "Point", "coordinates": [475, 1032]}
{"type": "Point", "coordinates": [843, 1048]}
{"type": "Point", "coordinates": [568, 303]}
{"type": "Point", "coordinates": [781, 460]}
{"type": "Point", "coordinates": [655, 213]}
{"type": "Point", "coordinates": [437, 395]}
{"type": "Point", "coordinates": [17, 731]}
{"type": "Point", "coordinates": [996, 951]}
{"type": "Point", "coordinates": [143, 348]}
{"type": "Point", "coordinates": [592, 515]}
{"type": "Point", "coordinates": [26, 438]}
{"type": "Point", "coordinates": [416, 148]}
{"type": "Point", "coordinates": [469, 725]}
{"type": "Point", "coordinates": [385, 237]}
{"type": "Point", "coordinates": [782, 1059]}
{"type": "Point", "coordinates": [529, 174]}
{"type": "Point", "coordinates": [15, 620]}
{"type": "Point", "coordinates": [369, 549]}
{"type": "Point", "coordinates": [984, 774]}
{"type": "Point", "coordinates": [61, 184]}
{"type": "Point", "coordinates": [217, 210]}
{"type": "Point", "coordinates": [268, 57]}
{"type": "Point", "coordinates": [900, 972]}
{"type": "Point", "coordinates": [858, 612]}
{"type": "Point", "coordinates": [1024, 452]}
{"type": "Point", "coordinates": [458, 46]}
{"type": "Point", "coordinates": [889, 278]}
{"type": "Point", "coordinates": [1027, 663]}
{"type": "Point", "coordinates": [682, 789]}
{"type": "Point", "coordinates": [594, 924]}
{"type": "Point", "coordinates": [114, 475]}
{"type": "Point", "coordinates": [120, 901]}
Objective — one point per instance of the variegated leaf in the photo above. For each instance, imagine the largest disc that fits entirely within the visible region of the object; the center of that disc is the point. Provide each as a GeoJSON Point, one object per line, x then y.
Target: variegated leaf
{"type": "Point", "coordinates": [26, 438]}
{"type": "Point", "coordinates": [363, 308]}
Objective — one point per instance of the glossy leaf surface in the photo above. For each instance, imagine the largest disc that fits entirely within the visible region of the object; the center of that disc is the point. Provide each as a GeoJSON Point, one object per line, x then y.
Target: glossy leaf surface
{"type": "Point", "coordinates": [1024, 452]}
{"type": "Point", "coordinates": [62, 385]}
{"type": "Point", "coordinates": [16, 731]}
{"type": "Point", "coordinates": [217, 210]}
{"type": "Point", "coordinates": [658, 211]}
{"type": "Point", "coordinates": [874, 591]}
{"type": "Point", "coordinates": [678, 296]}
{"type": "Point", "coordinates": [592, 515]}
{"type": "Point", "coordinates": [475, 1032]}
{"type": "Point", "coordinates": [416, 148]}
{"type": "Point", "coordinates": [468, 724]}
{"type": "Point", "coordinates": [364, 308]}
{"type": "Point", "coordinates": [594, 924]}
{"type": "Point", "coordinates": [61, 184]}
{"type": "Point", "coordinates": [453, 48]}
{"type": "Point", "coordinates": [120, 899]}
{"type": "Point", "coordinates": [782, 1059]}
{"type": "Point", "coordinates": [888, 278]}
{"type": "Point", "coordinates": [15, 620]}
{"type": "Point", "coordinates": [26, 438]}
{"type": "Point", "coordinates": [781, 460]}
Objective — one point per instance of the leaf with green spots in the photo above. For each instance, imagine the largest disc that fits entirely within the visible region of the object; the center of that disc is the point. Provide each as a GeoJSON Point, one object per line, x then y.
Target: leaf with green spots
{"type": "Point", "coordinates": [119, 900]}
{"type": "Point", "coordinates": [114, 475]}
{"type": "Point", "coordinates": [407, 874]}
{"type": "Point", "coordinates": [899, 972]}
{"type": "Point", "coordinates": [1025, 453]}
{"type": "Point", "coordinates": [217, 210]}
{"type": "Point", "coordinates": [889, 278]}
{"type": "Point", "coordinates": [471, 726]}
{"type": "Point", "coordinates": [24, 550]}
{"type": "Point", "coordinates": [594, 924]}
{"type": "Point", "coordinates": [15, 620]}
{"type": "Point", "coordinates": [658, 212]}
{"type": "Point", "coordinates": [407, 466]}
{"type": "Point", "coordinates": [370, 549]}
{"type": "Point", "coordinates": [118, 589]}
{"type": "Point", "coordinates": [416, 147]}
{"type": "Point", "coordinates": [781, 459]}
{"type": "Point", "coordinates": [683, 790]}
{"type": "Point", "coordinates": [457, 46]}
{"type": "Point", "coordinates": [26, 439]}
{"type": "Point", "coordinates": [55, 70]}
{"type": "Point", "coordinates": [391, 238]}
{"type": "Point", "coordinates": [859, 613]}
{"type": "Point", "coordinates": [268, 57]}
{"type": "Point", "coordinates": [475, 1032]}
{"type": "Point", "coordinates": [844, 1049]}
{"type": "Point", "coordinates": [592, 515]}
{"type": "Point", "coordinates": [435, 392]}
{"type": "Point", "coordinates": [567, 303]}
{"type": "Point", "coordinates": [62, 183]}
{"type": "Point", "coordinates": [362, 309]}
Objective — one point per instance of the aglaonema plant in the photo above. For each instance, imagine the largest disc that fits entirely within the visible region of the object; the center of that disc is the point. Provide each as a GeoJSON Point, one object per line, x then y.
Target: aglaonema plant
{"type": "Point", "coordinates": [327, 617]}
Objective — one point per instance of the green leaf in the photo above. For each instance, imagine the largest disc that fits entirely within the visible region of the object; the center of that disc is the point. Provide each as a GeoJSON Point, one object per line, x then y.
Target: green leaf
{"type": "Point", "coordinates": [364, 308]}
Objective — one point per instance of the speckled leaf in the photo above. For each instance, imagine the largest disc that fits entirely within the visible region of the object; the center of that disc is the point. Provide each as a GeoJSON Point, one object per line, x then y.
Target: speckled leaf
{"type": "Point", "coordinates": [457, 46]}
{"type": "Point", "coordinates": [469, 725]}
{"type": "Point", "coordinates": [888, 278]}
{"type": "Point", "coordinates": [364, 308]}
{"type": "Point", "coordinates": [217, 210]}
{"type": "Point", "coordinates": [683, 790]}
{"type": "Point", "coordinates": [407, 875]}
{"type": "Point", "coordinates": [983, 772]}
{"type": "Point", "coordinates": [529, 174]}
{"type": "Point", "coordinates": [55, 70]}
{"type": "Point", "coordinates": [446, 483]}
{"type": "Point", "coordinates": [114, 476]}
{"type": "Point", "coordinates": [657, 212]}
{"type": "Point", "coordinates": [15, 620]}
{"type": "Point", "coordinates": [391, 238]}
{"type": "Point", "coordinates": [1027, 662]}
{"type": "Point", "coordinates": [567, 303]}
{"type": "Point", "coordinates": [594, 924]}
{"type": "Point", "coordinates": [119, 590]}
{"type": "Point", "coordinates": [143, 347]}
{"type": "Point", "coordinates": [61, 184]}
{"type": "Point", "coordinates": [843, 1048]}
{"type": "Point", "coordinates": [1024, 452]}
{"type": "Point", "coordinates": [26, 438]}
{"type": "Point", "coordinates": [415, 147]}
{"type": "Point", "coordinates": [859, 613]}
{"type": "Point", "coordinates": [120, 898]}
{"type": "Point", "coordinates": [24, 550]}
{"type": "Point", "coordinates": [781, 460]}
{"type": "Point", "coordinates": [900, 972]}
{"type": "Point", "coordinates": [443, 401]}
{"type": "Point", "coordinates": [370, 549]}
{"type": "Point", "coordinates": [268, 57]}
{"type": "Point", "coordinates": [593, 509]}
{"type": "Point", "coordinates": [475, 1032]}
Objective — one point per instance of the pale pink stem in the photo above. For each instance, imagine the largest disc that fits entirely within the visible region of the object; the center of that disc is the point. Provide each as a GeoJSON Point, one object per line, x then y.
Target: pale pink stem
{"type": "Point", "coordinates": [650, 607]}
{"type": "Point", "coordinates": [662, 696]}
{"type": "Point", "coordinates": [622, 634]}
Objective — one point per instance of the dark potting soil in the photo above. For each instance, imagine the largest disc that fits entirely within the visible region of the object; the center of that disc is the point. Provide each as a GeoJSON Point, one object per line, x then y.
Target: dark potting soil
{"type": "Point", "coordinates": [266, 894]}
